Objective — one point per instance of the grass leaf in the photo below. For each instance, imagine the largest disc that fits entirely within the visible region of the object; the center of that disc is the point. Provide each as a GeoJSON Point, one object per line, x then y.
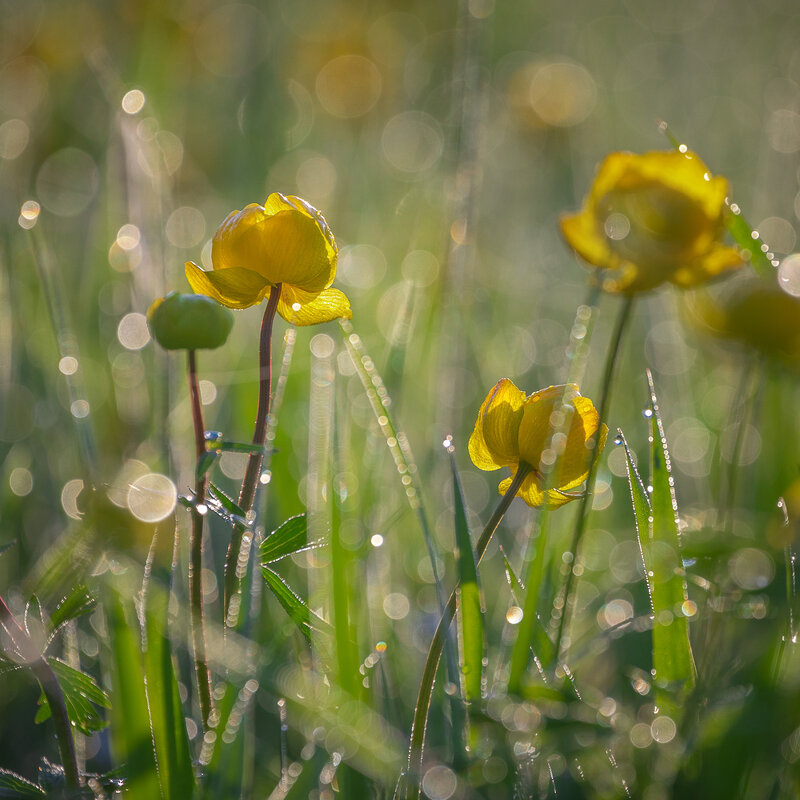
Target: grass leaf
{"type": "Point", "coordinates": [287, 539]}
{"type": "Point", "coordinates": [131, 738]}
{"type": "Point", "coordinates": [295, 606]}
{"type": "Point", "coordinates": [168, 726]}
{"type": "Point", "coordinates": [672, 653]}
{"type": "Point", "coordinates": [15, 786]}
{"type": "Point", "coordinates": [470, 611]}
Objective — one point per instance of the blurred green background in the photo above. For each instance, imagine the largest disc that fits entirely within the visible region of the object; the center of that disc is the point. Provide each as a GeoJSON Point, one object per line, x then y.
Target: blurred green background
{"type": "Point", "coordinates": [442, 141]}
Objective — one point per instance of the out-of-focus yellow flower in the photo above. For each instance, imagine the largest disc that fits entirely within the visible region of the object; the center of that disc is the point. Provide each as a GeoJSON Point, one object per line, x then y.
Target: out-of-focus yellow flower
{"type": "Point", "coordinates": [651, 218]}
{"type": "Point", "coordinates": [285, 241]}
{"type": "Point", "coordinates": [757, 314]}
{"type": "Point", "coordinates": [554, 429]}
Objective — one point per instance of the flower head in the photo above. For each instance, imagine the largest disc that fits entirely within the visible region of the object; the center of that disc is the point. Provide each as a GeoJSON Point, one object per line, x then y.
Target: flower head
{"type": "Point", "coordinates": [554, 431]}
{"type": "Point", "coordinates": [758, 314]}
{"type": "Point", "coordinates": [285, 241]}
{"type": "Point", "coordinates": [652, 218]}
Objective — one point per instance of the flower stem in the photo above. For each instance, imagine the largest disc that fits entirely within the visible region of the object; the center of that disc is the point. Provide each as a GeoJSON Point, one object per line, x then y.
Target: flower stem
{"type": "Point", "coordinates": [27, 651]}
{"type": "Point", "coordinates": [247, 495]}
{"type": "Point", "coordinates": [196, 554]}
{"type": "Point", "coordinates": [417, 742]}
{"type": "Point", "coordinates": [583, 511]}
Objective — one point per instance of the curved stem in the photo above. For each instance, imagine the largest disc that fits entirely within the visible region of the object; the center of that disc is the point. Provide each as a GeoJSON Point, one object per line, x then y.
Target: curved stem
{"type": "Point", "coordinates": [583, 511]}
{"type": "Point", "coordinates": [440, 636]}
{"type": "Point", "coordinates": [196, 554]}
{"type": "Point", "coordinates": [247, 495]}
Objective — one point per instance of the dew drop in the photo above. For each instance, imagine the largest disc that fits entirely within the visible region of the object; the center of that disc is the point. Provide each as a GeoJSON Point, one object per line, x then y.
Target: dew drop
{"type": "Point", "coordinates": [647, 413]}
{"type": "Point", "coordinates": [618, 439]}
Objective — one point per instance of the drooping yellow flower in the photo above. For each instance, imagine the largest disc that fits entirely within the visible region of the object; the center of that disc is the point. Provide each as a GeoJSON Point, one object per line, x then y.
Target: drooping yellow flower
{"type": "Point", "coordinates": [285, 241]}
{"type": "Point", "coordinates": [554, 429]}
{"type": "Point", "coordinates": [652, 218]}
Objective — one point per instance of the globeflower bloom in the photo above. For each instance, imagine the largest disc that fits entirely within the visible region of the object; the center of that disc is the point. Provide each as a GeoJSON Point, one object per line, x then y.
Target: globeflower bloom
{"type": "Point", "coordinates": [285, 241]}
{"type": "Point", "coordinates": [554, 429]}
{"type": "Point", "coordinates": [653, 218]}
{"type": "Point", "coordinates": [757, 314]}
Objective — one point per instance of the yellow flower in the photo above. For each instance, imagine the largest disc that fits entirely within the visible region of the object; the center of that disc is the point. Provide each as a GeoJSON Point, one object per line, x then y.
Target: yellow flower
{"type": "Point", "coordinates": [652, 218]}
{"type": "Point", "coordinates": [513, 429]}
{"type": "Point", "coordinates": [285, 241]}
{"type": "Point", "coordinates": [757, 314]}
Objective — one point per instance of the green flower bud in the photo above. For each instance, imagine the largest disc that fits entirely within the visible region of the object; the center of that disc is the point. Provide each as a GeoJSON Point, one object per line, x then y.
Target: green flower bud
{"type": "Point", "coordinates": [189, 322]}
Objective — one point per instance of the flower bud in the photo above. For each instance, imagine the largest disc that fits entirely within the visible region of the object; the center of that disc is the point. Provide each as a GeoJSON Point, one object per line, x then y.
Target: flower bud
{"type": "Point", "coordinates": [189, 322]}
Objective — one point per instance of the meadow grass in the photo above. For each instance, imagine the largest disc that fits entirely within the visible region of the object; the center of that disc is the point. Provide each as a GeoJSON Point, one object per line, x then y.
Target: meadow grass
{"type": "Point", "coordinates": [343, 603]}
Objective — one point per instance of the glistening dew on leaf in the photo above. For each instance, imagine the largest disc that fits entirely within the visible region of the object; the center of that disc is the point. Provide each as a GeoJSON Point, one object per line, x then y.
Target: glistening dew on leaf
{"type": "Point", "coordinates": [514, 429]}
{"type": "Point", "coordinates": [285, 241]}
{"type": "Point", "coordinates": [653, 218]}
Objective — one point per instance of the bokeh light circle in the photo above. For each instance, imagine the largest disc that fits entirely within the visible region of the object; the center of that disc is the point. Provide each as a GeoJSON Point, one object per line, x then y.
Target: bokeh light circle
{"type": "Point", "coordinates": [152, 497]}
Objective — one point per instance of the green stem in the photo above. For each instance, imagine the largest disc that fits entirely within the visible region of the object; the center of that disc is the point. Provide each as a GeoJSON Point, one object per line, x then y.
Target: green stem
{"type": "Point", "coordinates": [196, 554]}
{"type": "Point", "coordinates": [417, 741]}
{"type": "Point", "coordinates": [252, 474]}
{"type": "Point", "coordinates": [52, 691]}
{"type": "Point", "coordinates": [583, 511]}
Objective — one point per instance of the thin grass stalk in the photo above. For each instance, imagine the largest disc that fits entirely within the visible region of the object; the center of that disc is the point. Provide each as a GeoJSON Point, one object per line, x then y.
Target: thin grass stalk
{"type": "Point", "coordinates": [417, 739]}
{"type": "Point", "coordinates": [51, 689]}
{"type": "Point", "coordinates": [197, 616]}
{"type": "Point", "coordinates": [404, 459]}
{"type": "Point", "coordinates": [742, 407]}
{"type": "Point", "coordinates": [66, 341]}
{"type": "Point", "coordinates": [247, 495]}
{"type": "Point", "coordinates": [612, 358]}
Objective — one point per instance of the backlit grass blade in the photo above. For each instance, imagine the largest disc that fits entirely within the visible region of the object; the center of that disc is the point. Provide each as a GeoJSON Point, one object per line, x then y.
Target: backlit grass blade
{"type": "Point", "coordinates": [15, 786]}
{"type": "Point", "coordinates": [288, 538]}
{"type": "Point", "coordinates": [294, 606]}
{"type": "Point", "coordinates": [470, 607]}
{"type": "Point", "coordinates": [672, 653]}
{"type": "Point", "coordinates": [640, 500]}
{"type": "Point", "coordinates": [396, 440]}
{"type": "Point", "coordinates": [131, 739]}
{"type": "Point", "coordinates": [541, 643]}
{"type": "Point", "coordinates": [170, 738]}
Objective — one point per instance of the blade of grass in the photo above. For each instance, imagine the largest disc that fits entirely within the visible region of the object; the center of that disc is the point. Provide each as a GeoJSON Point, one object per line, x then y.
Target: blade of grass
{"type": "Point", "coordinates": [470, 607]}
{"type": "Point", "coordinates": [294, 605]}
{"type": "Point", "coordinates": [173, 755]}
{"type": "Point", "coordinates": [15, 786]}
{"type": "Point", "coordinates": [395, 440]}
{"type": "Point", "coordinates": [672, 652]}
{"type": "Point", "coordinates": [131, 738]}
{"type": "Point", "coordinates": [413, 776]}
{"type": "Point", "coordinates": [541, 644]}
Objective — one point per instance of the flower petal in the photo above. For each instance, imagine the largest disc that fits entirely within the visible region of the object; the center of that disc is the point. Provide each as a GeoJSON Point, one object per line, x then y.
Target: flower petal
{"type": "Point", "coordinates": [297, 309]}
{"type": "Point", "coordinates": [283, 243]}
{"type": "Point", "coordinates": [493, 443]}
{"type": "Point", "coordinates": [532, 493]}
{"type": "Point", "coordinates": [235, 288]}
{"type": "Point", "coordinates": [574, 439]}
{"type": "Point", "coordinates": [538, 424]}
{"type": "Point", "coordinates": [719, 259]}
